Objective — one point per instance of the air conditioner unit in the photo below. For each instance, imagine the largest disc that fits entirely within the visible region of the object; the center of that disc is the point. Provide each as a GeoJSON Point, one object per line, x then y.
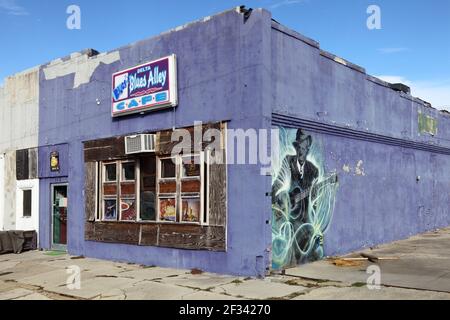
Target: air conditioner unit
{"type": "Point", "coordinates": [140, 143]}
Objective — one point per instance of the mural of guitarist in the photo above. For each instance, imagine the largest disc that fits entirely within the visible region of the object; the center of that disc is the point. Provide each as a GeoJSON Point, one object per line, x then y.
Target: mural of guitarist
{"type": "Point", "coordinates": [302, 200]}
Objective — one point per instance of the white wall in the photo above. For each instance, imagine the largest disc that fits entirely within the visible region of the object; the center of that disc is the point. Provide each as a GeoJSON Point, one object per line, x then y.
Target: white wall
{"type": "Point", "coordinates": [2, 186]}
{"type": "Point", "coordinates": [19, 111]}
{"type": "Point", "coordinates": [19, 120]}
{"type": "Point", "coordinates": [27, 223]}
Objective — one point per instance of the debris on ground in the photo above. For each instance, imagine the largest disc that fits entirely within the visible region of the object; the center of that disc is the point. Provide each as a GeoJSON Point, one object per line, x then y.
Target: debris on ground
{"type": "Point", "coordinates": [341, 262]}
{"type": "Point", "coordinates": [196, 271]}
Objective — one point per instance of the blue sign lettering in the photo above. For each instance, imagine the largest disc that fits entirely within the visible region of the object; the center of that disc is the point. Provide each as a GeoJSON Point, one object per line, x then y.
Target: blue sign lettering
{"type": "Point", "coordinates": [137, 82]}
{"type": "Point", "coordinates": [120, 106]}
{"type": "Point", "coordinates": [120, 88]}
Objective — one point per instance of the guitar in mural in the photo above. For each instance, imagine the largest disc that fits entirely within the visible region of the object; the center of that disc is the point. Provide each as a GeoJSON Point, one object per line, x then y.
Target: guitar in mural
{"type": "Point", "coordinates": [302, 200]}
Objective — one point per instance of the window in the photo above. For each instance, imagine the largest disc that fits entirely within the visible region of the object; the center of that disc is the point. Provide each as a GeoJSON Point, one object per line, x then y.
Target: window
{"type": "Point", "coordinates": [128, 210]}
{"type": "Point", "coordinates": [110, 173]}
{"type": "Point", "coordinates": [168, 168]}
{"type": "Point", "coordinates": [119, 191]}
{"type": "Point", "coordinates": [27, 200]}
{"type": "Point", "coordinates": [148, 188]}
{"type": "Point", "coordinates": [128, 171]}
{"type": "Point", "coordinates": [147, 199]}
{"type": "Point", "coordinates": [191, 166]}
{"type": "Point", "coordinates": [190, 209]}
{"type": "Point", "coordinates": [110, 207]}
{"type": "Point", "coordinates": [180, 192]}
{"type": "Point", "coordinates": [168, 209]}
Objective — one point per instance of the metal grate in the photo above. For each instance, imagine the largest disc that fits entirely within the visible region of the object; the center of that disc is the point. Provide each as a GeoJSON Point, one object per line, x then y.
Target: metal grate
{"type": "Point", "coordinates": [133, 144]}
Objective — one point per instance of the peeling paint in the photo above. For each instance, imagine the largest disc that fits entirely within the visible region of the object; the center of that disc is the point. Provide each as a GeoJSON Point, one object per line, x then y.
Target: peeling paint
{"type": "Point", "coordinates": [19, 100]}
{"type": "Point", "coordinates": [81, 64]}
{"type": "Point", "coordinates": [347, 168]}
{"type": "Point", "coordinates": [19, 118]}
{"type": "Point", "coordinates": [359, 170]}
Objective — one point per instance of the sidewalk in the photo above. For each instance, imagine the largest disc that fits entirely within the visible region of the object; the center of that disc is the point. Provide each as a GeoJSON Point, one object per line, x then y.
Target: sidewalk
{"type": "Point", "coordinates": [420, 270]}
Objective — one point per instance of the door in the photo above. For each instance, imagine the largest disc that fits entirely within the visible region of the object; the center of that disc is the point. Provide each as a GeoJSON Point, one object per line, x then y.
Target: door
{"type": "Point", "coordinates": [59, 216]}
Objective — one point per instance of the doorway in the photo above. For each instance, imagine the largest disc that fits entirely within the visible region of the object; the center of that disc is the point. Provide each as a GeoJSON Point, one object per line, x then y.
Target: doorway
{"type": "Point", "coordinates": [59, 212]}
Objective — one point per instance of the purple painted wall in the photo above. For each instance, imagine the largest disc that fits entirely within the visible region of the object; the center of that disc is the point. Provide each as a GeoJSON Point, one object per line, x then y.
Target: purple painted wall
{"type": "Point", "coordinates": [359, 119]}
{"type": "Point", "coordinates": [46, 179]}
{"type": "Point", "coordinates": [220, 66]}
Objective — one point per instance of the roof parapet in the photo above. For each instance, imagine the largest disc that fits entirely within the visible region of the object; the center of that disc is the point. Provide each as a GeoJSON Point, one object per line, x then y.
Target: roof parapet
{"type": "Point", "coordinates": [344, 62]}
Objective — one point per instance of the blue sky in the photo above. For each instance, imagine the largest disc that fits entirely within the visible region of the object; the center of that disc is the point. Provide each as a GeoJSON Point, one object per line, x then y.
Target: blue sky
{"type": "Point", "coordinates": [412, 46]}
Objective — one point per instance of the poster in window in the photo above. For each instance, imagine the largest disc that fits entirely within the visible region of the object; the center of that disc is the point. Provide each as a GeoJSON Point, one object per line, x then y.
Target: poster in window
{"type": "Point", "coordinates": [167, 209]}
{"type": "Point", "coordinates": [128, 207]}
{"type": "Point", "coordinates": [111, 209]}
{"type": "Point", "coordinates": [190, 210]}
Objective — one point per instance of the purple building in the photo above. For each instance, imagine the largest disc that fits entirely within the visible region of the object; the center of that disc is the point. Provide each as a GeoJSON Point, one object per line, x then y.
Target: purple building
{"type": "Point", "coordinates": [357, 161]}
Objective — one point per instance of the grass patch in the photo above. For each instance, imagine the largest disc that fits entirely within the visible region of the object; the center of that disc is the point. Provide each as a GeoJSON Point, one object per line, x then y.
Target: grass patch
{"type": "Point", "coordinates": [55, 253]}
{"type": "Point", "coordinates": [237, 281]}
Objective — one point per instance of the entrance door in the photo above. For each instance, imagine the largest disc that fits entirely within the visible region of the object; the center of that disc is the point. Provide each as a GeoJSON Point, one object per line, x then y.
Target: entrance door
{"type": "Point", "coordinates": [59, 217]}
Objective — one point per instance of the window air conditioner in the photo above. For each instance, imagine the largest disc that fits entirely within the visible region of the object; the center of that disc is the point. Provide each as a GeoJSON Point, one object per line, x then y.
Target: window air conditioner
{"type": "Point", "coordinates": [140, 143]}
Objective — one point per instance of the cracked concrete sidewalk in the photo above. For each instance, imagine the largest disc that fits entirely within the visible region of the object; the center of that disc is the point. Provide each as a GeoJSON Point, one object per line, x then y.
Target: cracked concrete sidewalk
{"type": "Point", "coordinates": [422, 271]}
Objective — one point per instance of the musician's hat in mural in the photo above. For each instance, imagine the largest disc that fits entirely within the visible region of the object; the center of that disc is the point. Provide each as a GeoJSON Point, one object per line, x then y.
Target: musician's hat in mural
{"type": "Point", "coordinates": [300, 137]}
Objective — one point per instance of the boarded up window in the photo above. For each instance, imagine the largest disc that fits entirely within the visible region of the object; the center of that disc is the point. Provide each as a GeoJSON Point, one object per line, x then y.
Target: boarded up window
{"type": "Point", "coordinates": [22, 166]}
{"type": "Point", "coordinates": [33, 163]}
{"type": "Point", "coordinates": [183, 197]}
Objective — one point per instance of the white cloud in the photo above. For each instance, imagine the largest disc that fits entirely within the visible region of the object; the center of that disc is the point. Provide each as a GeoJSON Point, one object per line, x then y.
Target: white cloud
{"type": "Point", "coordinates": [437, 92]}
{"type": "Point", "coordinates": [392, 50]}
{"type": "Point", "coordinates": [12, 8]}
{"type": "Point", "coordinates": [284, 3]}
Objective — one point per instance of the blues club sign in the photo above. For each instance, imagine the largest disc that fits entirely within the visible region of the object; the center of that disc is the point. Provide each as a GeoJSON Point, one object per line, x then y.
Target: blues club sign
{"type": "Point", "coordinates": [147, 87]}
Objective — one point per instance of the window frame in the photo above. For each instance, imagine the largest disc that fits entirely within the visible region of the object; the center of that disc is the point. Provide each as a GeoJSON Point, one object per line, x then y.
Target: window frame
{"type": "Point", "coordinates": [23, 202]}
{"type": "Point", "coordinates": [136, 189]}
{"type": "Point", "coordinates": [159, 168]}
{"type": "Point", "coordinates": [122, 173]}
{"type": "Point", "coordinates": [179, 195]}
{"type": "Point", "coordinates": [104, 175]}
{"type": "Point", "coordinates": [118, 184]}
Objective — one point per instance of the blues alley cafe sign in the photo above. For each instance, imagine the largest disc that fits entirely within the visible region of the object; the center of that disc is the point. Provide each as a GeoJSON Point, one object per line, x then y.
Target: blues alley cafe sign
{"type": "Point", "coordinates": [147, 87]}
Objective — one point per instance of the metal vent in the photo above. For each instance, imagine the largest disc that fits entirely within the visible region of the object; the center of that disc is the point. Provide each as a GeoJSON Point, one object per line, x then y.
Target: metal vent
{"type": "Point", "coordinates": [140, 143]}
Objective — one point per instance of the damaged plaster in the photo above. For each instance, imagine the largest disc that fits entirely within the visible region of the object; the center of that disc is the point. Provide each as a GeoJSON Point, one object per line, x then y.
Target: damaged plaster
{"type": "Point", "coordinates": [359, 170]}
{"type": "Point", "coordinates": [81, 64]}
